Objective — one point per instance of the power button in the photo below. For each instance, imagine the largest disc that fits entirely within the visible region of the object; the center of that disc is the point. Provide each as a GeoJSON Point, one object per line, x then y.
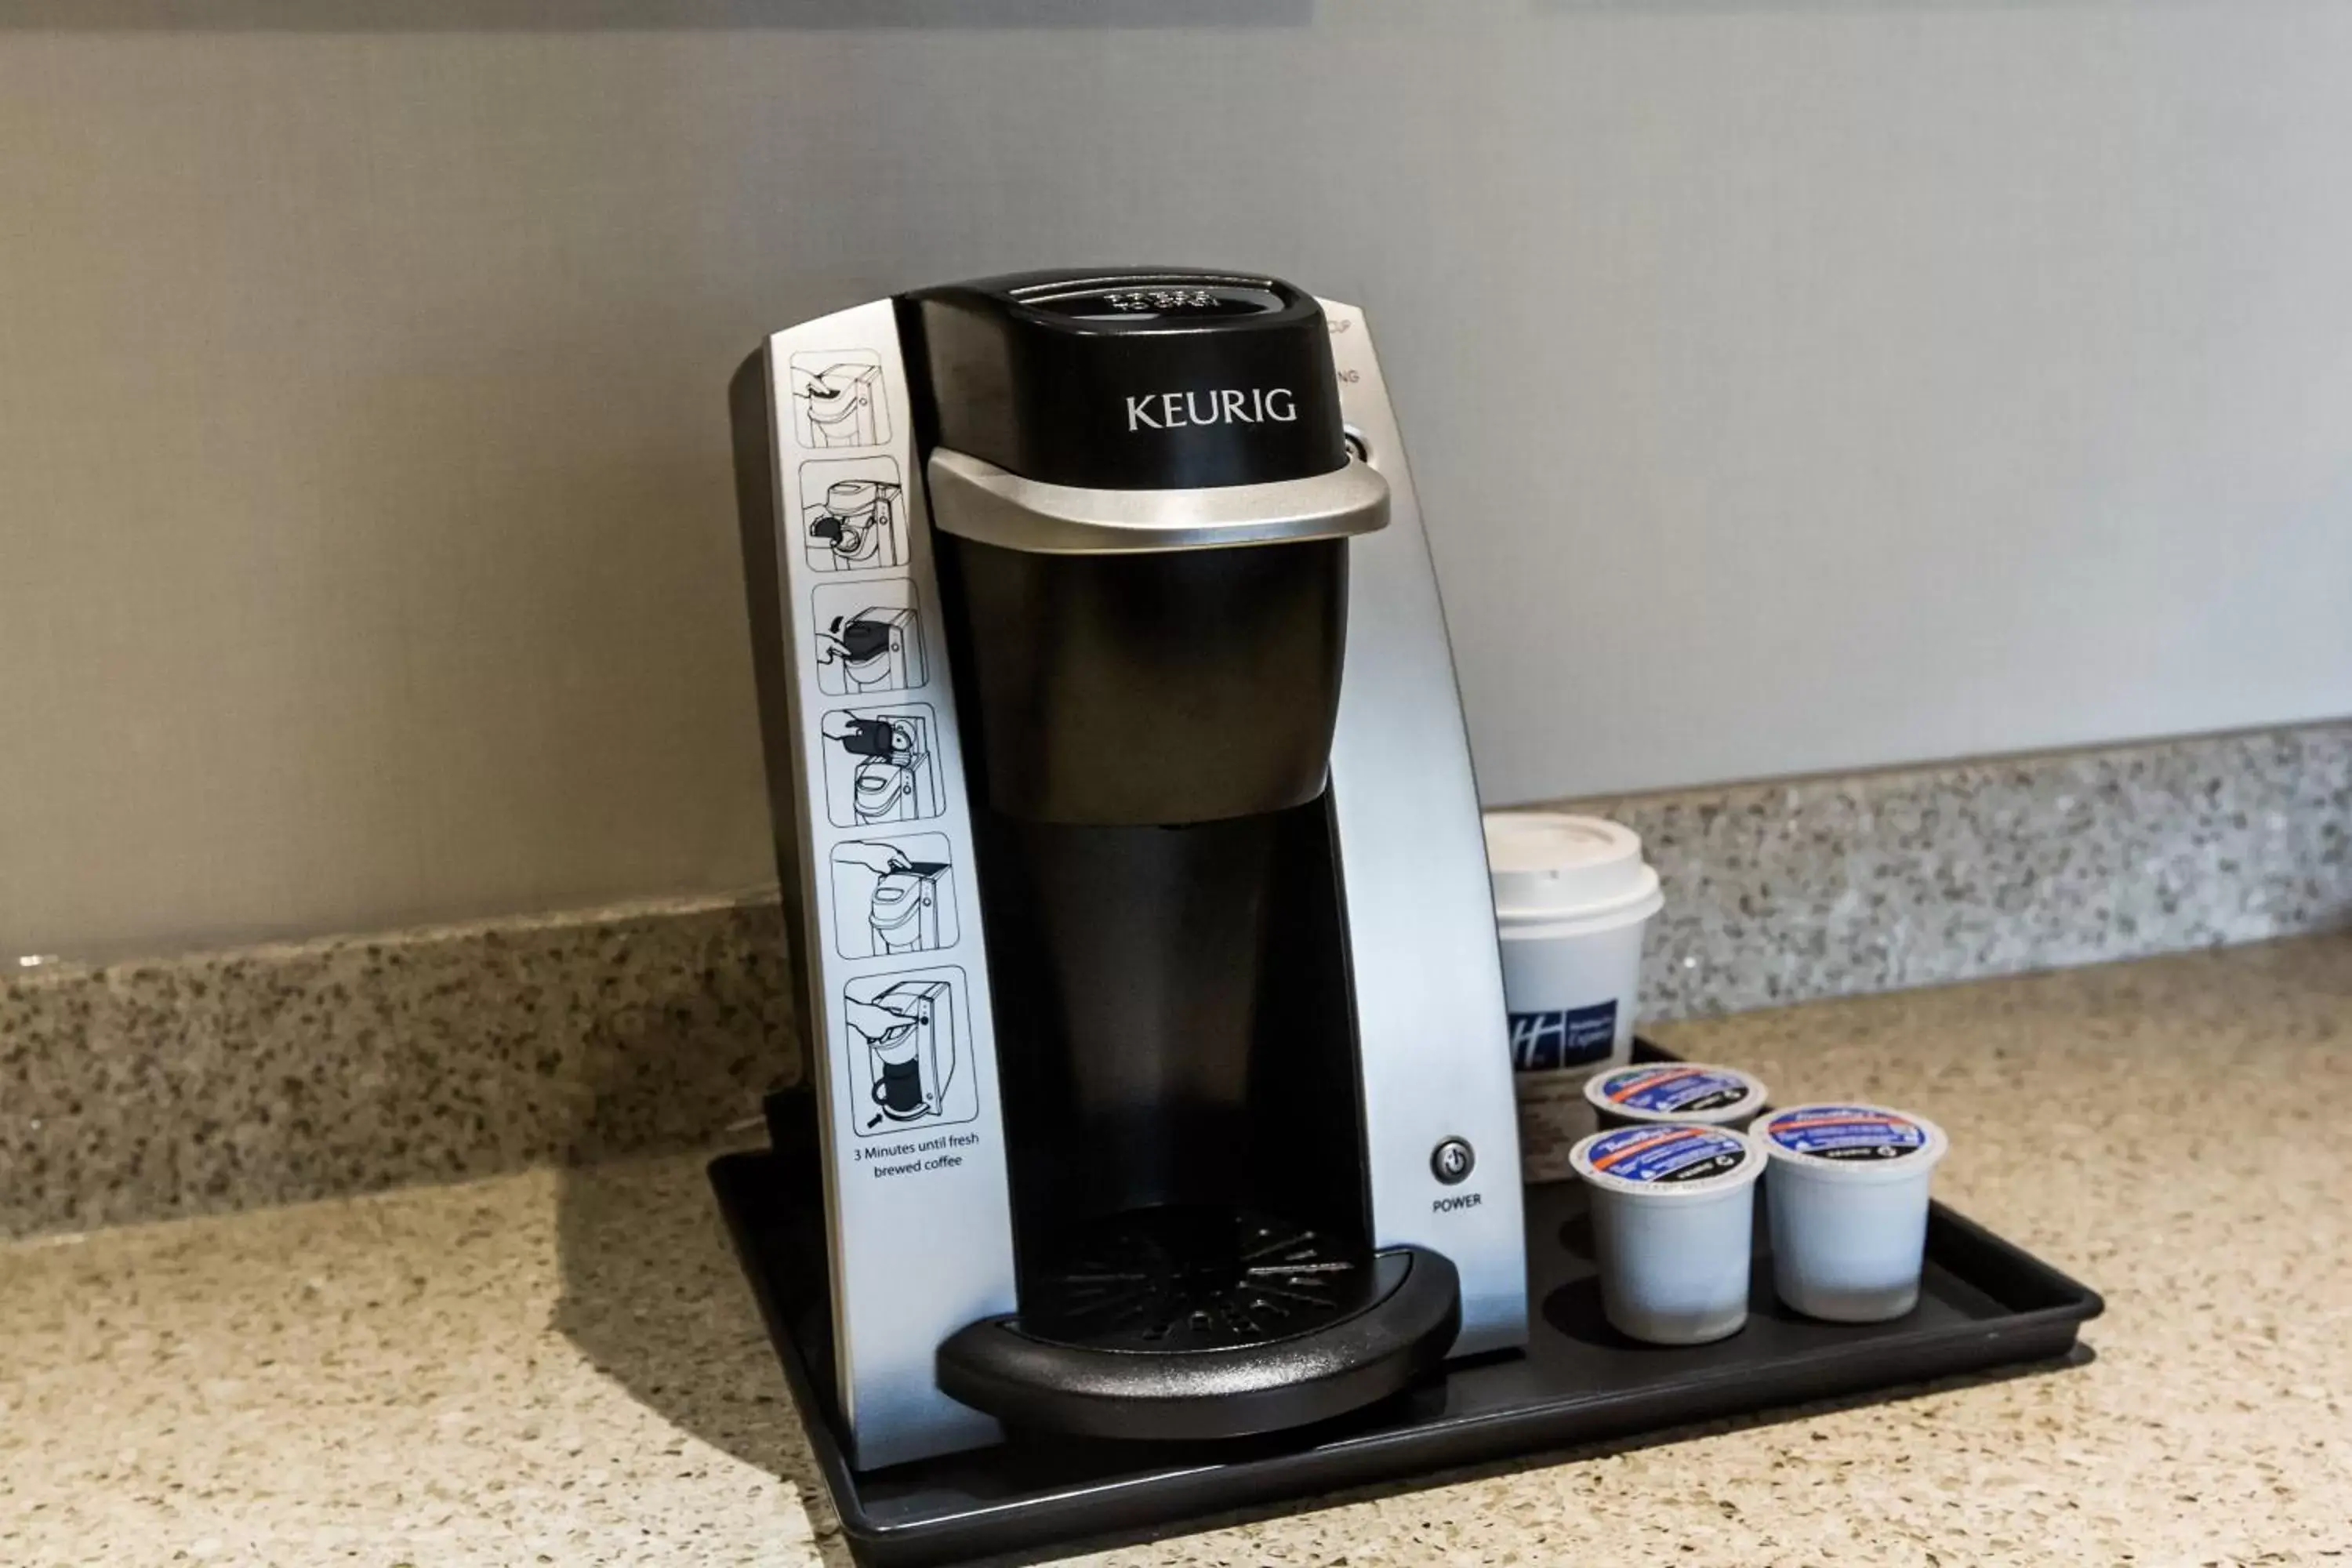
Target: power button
{"type": "Point", "coordinates": [1452, 1160]}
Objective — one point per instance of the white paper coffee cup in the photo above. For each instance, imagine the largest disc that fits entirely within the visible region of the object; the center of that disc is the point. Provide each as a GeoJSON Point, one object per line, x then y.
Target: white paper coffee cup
{"type": "Point", "coordinates": [1573, 898]}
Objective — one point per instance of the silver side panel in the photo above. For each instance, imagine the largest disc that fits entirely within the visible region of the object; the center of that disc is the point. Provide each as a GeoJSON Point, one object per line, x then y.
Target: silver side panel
{"type": "Point", "coordinates": [904, 1057]}
{"type": "Point", "coordinates": [1421, 920]}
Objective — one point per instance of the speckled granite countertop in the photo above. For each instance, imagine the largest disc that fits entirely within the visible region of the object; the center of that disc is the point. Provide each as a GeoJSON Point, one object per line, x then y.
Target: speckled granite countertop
{"type": "Point", "coordinates": [564, 1367]}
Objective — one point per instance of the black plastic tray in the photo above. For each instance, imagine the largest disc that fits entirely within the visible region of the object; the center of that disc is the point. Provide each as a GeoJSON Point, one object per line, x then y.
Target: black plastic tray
{"type": "Point", "coordinates": [1984, 1303]}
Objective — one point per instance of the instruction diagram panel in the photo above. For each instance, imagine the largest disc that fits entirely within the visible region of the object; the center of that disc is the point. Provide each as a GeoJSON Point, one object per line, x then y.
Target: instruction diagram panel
{"type": "Point", "coordinates": [869, 638]}
{"type": "Point", "coordinates": [908, 1049]}
{"type": "Point", "coordinates": [881, 764]}
{"type": "Point", "coordinates": [892, 894]}
{"type": "Point", "coordinates": [853, 513]}
{"type": "Point", "coordinates": [839, 399]}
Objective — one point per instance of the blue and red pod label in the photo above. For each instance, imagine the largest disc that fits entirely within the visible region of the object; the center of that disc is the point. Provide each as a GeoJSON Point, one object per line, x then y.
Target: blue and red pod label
{"type": "Point", "coordinates": [1666, 1153]}
{"type": "Point", "coordinates": [1846, 1132]}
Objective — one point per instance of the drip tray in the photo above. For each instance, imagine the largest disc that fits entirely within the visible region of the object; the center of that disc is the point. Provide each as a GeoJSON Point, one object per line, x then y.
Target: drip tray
{"type": "Point", "coordinates": [1984, 1304]}
{"type": "Point", "coordinates": [1198, 1280]}
{"type": "Point", "coordinates": [1204, 1324]}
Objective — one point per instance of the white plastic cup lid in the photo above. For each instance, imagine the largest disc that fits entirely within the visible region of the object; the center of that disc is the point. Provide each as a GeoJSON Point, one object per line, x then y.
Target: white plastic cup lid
{"type": "Point", "coordinates": [1675, 1091]}
{"type": "Point", "coordinates": [1551, 865]}
{"type": "Point", "coordinates": [1852, 1142]}
{"type": "Point", "coordinates": [1671, 1160]}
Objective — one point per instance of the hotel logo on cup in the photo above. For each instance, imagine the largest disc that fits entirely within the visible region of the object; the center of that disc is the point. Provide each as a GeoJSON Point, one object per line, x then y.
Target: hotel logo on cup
{"type": "Point", "coordinates": [1568, 1037]}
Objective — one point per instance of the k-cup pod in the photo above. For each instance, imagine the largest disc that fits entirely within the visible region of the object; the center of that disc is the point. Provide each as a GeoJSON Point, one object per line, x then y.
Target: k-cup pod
{"type": "Point", "coordinates": [1848, 1203]}
{"type": "Point", "coordinates": [1674, 1221]}
{"type": "Point", "coordinates": [1675, 1092]}
{"type": "Point", "coordinates": [1572, 899]}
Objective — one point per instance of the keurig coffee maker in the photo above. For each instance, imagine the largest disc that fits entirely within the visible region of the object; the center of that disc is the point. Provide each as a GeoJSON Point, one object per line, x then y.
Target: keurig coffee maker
{"type": "Point", "coordinates": [1191, 1115]}
{"type": "Point", "coordinates": [1156, 1153]}
{"type": "Point", "coordinates": [1132, 865]}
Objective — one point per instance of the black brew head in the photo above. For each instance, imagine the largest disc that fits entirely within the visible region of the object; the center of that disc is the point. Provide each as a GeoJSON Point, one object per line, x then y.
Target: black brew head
{"type": "Point", "coordinates": [1111, 678]}
{"type": "Point", "coordinates": [1141, 379]}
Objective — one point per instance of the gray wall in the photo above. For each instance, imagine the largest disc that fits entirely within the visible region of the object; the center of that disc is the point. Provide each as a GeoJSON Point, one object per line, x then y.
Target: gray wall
{"type": "Point", "coordinates": [1792, 386]}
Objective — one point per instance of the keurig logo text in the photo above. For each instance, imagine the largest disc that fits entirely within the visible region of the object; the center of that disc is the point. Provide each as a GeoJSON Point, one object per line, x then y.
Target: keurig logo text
{"type": "Point", "coordinates": [1218, 406]}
